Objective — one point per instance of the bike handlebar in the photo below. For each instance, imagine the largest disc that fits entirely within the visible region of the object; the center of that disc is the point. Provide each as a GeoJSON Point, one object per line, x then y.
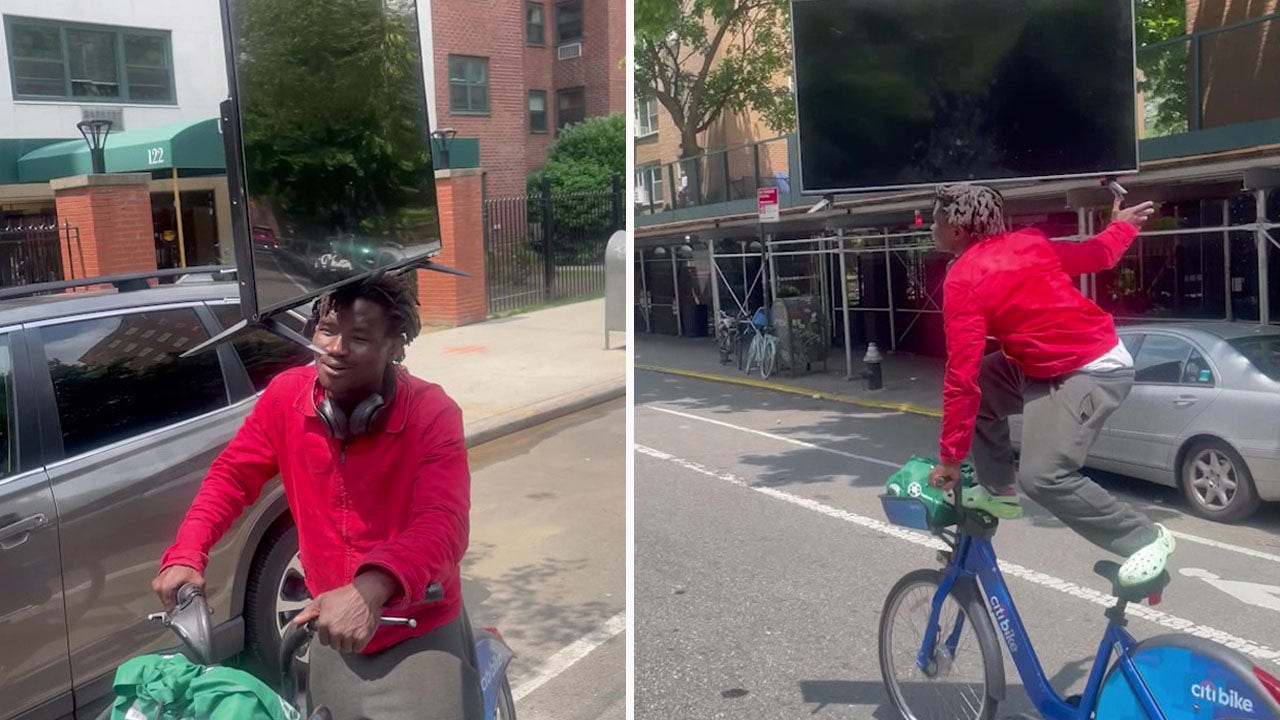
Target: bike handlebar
{"type": "Point", "coordinates": [295, 636]}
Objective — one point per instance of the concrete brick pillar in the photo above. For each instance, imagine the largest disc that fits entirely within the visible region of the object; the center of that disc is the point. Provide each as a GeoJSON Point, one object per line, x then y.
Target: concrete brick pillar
{"type": "Point", "coordinates": [113, 216]}
{"type": "Point", "coordinates": [448, 299]}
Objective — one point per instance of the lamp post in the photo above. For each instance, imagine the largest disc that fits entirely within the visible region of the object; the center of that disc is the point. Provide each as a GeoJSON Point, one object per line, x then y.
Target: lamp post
{"type": "Point", "coordinates": [442, 138]}
{"type": "Point", "coordinates": [95, 133]}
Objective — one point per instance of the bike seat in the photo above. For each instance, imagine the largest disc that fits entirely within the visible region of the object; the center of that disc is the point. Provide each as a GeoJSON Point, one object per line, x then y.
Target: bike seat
{"type": "Point", "coordinates": [1149, 591]}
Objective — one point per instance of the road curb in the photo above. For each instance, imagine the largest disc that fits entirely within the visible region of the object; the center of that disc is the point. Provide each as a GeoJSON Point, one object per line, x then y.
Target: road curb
{"type": "Point", "coordinates": [544, 411]}
{"type": "Point", "coordinates": [793, 390]}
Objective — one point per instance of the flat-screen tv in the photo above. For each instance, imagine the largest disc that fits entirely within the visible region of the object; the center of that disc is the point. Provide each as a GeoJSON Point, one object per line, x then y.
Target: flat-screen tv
{"type": "Point", "coordinates": [909, 93]}
{"type": "Point", "coordinates": [328, 143]}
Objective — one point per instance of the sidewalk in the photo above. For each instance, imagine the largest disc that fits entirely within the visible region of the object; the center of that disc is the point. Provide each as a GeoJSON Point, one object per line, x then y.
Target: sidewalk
{"type": "Point", "coordinates": [520, 371]}
{"type": "Point", "coordinates": [912, 383]}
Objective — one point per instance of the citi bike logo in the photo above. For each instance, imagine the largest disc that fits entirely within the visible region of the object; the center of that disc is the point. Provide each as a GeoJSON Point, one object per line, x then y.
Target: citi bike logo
{"type": "Point", "coordinates": [1002, 620]}
{"type": "Point", "coordinates": [1225, 697]}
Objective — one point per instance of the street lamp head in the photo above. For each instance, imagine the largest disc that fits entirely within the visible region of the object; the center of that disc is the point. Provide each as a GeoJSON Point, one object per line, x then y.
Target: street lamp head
{"type": "Point", "coordinates": [442, 137]}
{"type": "Point", "coordinates": [95, 134]}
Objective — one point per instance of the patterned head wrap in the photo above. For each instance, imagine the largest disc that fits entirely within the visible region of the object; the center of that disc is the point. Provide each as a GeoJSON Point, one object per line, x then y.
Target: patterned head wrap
{"type": "Point", "coordinates": [976, 209]}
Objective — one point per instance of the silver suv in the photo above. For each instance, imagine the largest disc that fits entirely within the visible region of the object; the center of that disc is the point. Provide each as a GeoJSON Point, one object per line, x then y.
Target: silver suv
{"type": "Point", "coordinates": [105, 436]}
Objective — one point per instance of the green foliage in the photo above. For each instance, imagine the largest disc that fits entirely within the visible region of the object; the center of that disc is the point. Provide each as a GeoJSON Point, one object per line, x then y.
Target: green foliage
{"type": "Point", "coordinates": [330, 134]}
{"type": "Point", "coordinates": [581, 165]}
{"type": "Point", "coordinates": [700, 58]}
{"type": "Point", "coordinates": [1165, 86]}
{"type": "Point", "coordinates": [585, 157]}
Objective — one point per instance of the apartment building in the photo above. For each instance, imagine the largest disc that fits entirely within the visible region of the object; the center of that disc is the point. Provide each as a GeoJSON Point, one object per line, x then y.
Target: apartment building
{"type": "Point", "coordinates": [516, 72]}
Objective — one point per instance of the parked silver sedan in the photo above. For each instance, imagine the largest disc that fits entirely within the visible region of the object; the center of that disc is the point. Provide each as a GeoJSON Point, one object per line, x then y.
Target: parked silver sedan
{"type": "Point", "coordinates": [1204, 415]}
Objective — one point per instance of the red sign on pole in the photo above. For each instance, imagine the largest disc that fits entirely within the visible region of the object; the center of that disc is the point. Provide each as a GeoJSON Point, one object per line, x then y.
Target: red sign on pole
{"type": "Point", "coordinates": [767, 204]}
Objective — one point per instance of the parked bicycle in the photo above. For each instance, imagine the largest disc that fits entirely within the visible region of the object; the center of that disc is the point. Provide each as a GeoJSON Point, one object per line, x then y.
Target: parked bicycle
{"type": "Point", "coordinates": [762, 353]}
{"type": "Point", "coordinates": [940, 652]}
{"type": "Point", "coordinates": [726, 336]}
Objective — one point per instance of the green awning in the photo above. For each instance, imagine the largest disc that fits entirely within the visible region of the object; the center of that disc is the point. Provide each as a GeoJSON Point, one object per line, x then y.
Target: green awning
{"type": "Point", "coordinates": [195, 145]}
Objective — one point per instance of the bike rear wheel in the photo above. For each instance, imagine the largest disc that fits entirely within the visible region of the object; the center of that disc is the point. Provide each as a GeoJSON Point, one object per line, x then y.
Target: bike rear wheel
{"type": "Point", "coordinates": [955, 683]}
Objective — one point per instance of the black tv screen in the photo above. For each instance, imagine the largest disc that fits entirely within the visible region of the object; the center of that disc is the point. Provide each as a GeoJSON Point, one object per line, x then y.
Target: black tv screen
{"type": "Point", "coordinates": [908, 93]}
{"type": "Point", "coordinates": [329, 145]}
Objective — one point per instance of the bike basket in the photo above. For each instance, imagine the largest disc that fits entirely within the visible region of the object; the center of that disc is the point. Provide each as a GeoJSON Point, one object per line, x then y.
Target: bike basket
{"type": "Point", "coordinates": [911, 483]}
{"type": "Point", "coordinates": [905, 511]}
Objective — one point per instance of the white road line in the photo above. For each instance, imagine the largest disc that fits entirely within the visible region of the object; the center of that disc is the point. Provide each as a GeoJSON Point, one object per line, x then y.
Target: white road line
{"type": "Point", "coordinates": [571, 654]}
{"type": "Point", "coordinates": [781, 438]}
{"type": "Point", "coordinates": [1225, 546]}
{"type": "Point", "coordinates": [895, 465]}
{"type": "Point", "coordinates": [1246, 647]}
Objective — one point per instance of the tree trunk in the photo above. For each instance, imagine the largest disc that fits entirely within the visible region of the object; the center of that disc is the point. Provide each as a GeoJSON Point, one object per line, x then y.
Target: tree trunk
{"type": "Point", "coordinates": [691, 166]}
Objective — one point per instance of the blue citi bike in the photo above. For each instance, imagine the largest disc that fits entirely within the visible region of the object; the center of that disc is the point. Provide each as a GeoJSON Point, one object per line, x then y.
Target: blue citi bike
{"type": "Point", "coordinates": [940, 656]}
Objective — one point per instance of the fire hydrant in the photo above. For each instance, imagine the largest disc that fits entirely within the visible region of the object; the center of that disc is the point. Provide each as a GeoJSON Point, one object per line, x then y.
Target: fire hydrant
{"type": "Point", "coordinates": [872, 374]}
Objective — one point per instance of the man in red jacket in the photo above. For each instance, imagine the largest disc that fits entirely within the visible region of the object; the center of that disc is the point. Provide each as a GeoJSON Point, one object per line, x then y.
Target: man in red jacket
{"type": "Point", "coordinates": [374, 467]}
{"type": "Point", "coordinates": [1061, 365]}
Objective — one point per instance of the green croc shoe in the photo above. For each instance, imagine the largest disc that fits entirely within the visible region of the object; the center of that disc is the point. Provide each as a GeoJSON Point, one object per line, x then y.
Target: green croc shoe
{"type": "Point", "coordinates": [1147, 564]}
{"type": "Point", "coordinates": [1005, 507]}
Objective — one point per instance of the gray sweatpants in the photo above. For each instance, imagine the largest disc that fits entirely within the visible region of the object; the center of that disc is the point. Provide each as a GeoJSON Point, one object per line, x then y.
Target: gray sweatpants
{"type": "Point", "coordinates": [429, 677]}
{"type": "Point", "coordinates": [1061, 421]}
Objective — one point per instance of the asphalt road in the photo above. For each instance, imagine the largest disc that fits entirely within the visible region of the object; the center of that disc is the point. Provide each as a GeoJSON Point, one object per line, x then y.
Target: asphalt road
{"type": "Point", "coordinates": [547, 561]}
{"type": "Point", "coordinates": [762, 560]}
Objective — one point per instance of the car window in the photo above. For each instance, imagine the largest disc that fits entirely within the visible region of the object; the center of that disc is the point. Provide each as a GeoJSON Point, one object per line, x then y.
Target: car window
{"type": "Point", "coordinates": [119, 376]}
{"type": "Point", "coordinates": [264, 355]}
{"type": "Point", "coordinates": [1262, 352]}
{"type": "Point", "coordinates": [8, 438]}
{"type": "Point", "coordinates": [1161, 359]}
{"type": "Point", "coordinates": [1197, 370]}
{"type": "Point", "coordinates": [1130, 343]}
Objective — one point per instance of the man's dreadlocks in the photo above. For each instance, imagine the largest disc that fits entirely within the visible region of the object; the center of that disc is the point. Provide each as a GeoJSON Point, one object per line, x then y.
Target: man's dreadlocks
{"type": "Point", "coordinates": [397, 299]}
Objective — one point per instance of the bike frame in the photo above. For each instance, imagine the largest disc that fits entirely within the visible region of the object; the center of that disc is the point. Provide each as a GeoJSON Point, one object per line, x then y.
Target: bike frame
{"type": "Point", "coordinates": [975, 558]}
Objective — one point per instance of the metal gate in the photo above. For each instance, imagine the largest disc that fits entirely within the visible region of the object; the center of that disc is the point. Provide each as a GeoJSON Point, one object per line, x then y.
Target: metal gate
{"type": "Point", "coordinates": [548, 247]}
{"type": "Point", "coordinates": [32, 252]}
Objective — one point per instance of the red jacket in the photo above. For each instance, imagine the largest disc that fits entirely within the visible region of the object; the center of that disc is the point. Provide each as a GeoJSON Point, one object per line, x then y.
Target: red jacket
{"type": "Point", "coordinates": [396, 499]}
{"type": "Point", "coordinates": [1018, 289]}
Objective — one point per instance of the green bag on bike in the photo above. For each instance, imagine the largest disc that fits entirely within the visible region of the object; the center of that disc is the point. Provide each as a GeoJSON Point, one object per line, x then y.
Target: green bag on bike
{"type": "Point", "coordinates": [913, 481]}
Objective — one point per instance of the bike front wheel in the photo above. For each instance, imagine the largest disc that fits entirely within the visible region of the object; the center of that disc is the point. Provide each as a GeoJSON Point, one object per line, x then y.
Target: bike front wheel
{"type": "Point", "coordinates": [506, 708]}
{"type": "Point", "coordinates": [955, 682]}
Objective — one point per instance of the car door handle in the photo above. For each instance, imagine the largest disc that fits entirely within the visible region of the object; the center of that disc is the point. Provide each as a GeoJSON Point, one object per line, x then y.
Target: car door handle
{"type": "Point", "coordinates": [1185, 400]}
{"type": "Point", "coordinates": [11, 536]}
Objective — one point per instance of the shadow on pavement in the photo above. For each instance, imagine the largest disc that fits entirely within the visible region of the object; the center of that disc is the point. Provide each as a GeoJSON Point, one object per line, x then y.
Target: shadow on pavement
{"type": "Point", "coordinates": [862, 431]}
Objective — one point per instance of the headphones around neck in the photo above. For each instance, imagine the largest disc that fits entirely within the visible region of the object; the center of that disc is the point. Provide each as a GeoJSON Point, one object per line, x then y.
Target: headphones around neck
{"type": "Point", "coordinates": [365, 415]}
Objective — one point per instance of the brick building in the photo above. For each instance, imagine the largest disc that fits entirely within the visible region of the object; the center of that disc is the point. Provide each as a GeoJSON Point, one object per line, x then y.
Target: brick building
{"type": "Point", "coordinates": [511, 73]}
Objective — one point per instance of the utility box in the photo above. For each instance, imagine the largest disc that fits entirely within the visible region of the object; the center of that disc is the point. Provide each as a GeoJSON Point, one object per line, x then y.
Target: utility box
{"type": "Point", "coordinates": [616, 267]}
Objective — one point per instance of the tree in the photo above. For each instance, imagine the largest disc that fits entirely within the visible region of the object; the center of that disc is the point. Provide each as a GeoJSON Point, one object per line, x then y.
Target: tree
{"type": "Point", "coordinates": [699, 58]}
{"type": "Point", "coordinates": [1166, 70]}
{"type": "Point", "coordinates": [581, 165]}
{"type": "Point", "coordinates": [585, 157]}
{"type": "Point", "coordinates": [335, 138]}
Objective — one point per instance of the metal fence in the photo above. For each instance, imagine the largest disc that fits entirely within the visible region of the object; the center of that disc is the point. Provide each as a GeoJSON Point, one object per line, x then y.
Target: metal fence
{"type": "Point", "coordinates": [548, 247]}
{"type": "Point", "coordinates": [32, 252]}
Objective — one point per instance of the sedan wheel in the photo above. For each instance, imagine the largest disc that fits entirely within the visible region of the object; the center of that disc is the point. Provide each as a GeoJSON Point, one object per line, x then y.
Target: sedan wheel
{"type": "Point", "coordinates": [292, 597]}
{"type": "Point", "coordinates": [1217, 482]}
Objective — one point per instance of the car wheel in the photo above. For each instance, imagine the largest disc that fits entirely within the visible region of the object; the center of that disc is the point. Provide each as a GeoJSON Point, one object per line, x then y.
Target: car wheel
{"type": "Point", "coordinates": [1217, 483]}
{"type": "Point", "coordinates": [275, 593]}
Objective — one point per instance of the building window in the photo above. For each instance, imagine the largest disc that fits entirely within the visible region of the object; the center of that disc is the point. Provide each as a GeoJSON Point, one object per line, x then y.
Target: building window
{"type": "Point", "coordinates": [571, 107]}
{"type": "Point", "coordinates": [534, 24]}
{"type": "Point", "coordinates": [468, 84]}
{"type": "Point", "coordinates": [568, 21]}
{"type": "Point", "coordinates": [649, 181]}
{"type": "Point", "coordinates": [87, 63]}
{"type": "Point", "coordinates": [538, 111]}
{"type": "Point", "coordinates": [646, 116]}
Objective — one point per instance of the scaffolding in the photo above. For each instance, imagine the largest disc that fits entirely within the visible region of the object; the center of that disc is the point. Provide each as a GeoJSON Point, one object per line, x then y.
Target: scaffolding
{"type": "Point", "coordinates": [911, 284]}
